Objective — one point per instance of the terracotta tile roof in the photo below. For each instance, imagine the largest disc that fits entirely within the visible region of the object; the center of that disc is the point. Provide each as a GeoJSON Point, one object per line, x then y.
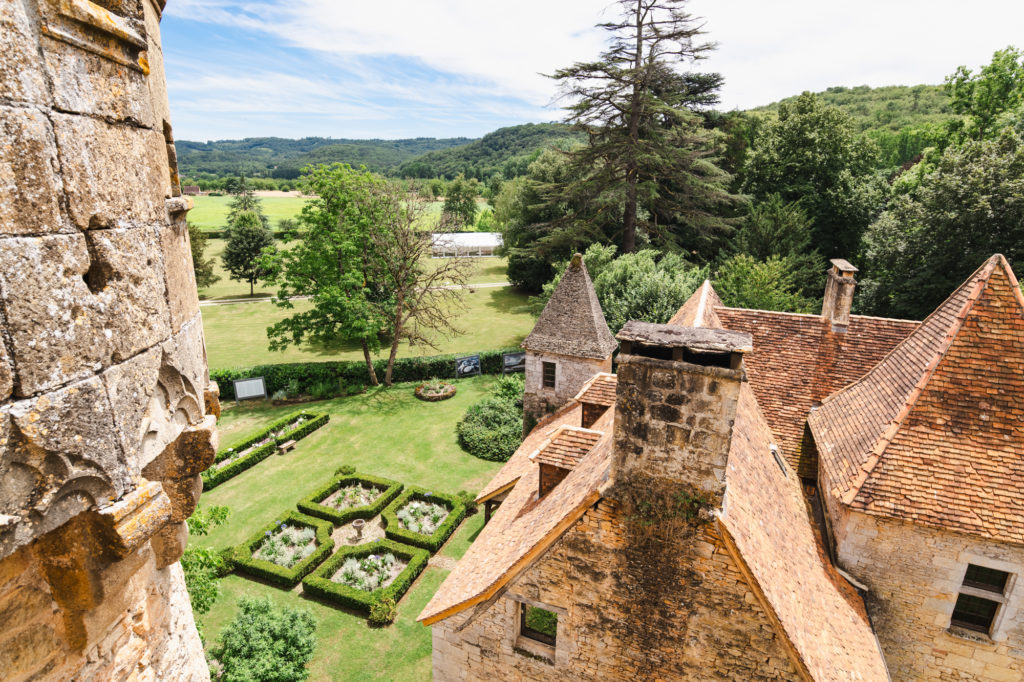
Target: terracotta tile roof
{"type": "Point", "coordinates": [699, 309]}
{"type": "Point", "coordinates": [798, 360]}
{"type": "Point", "coordinates": [766, 520]}
{"type": "Point", "coordinates": [566, 447]}
{"type": "Point", "coordinates": [572, 322]}
{"type": "Point", "coordinates": [522, 529]}
{"type": "Point", "coordinates": [600, 390]}
{"type": "Point", "coordinates": [933, 433]}
{"type": "Point", "coordinates": [570, 414]}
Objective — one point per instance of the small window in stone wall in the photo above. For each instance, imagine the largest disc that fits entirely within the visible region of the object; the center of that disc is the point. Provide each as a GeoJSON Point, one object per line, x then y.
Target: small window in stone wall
{"type": "Point", "coordinates": [538, 624]}
{"type": "Point", "coordinates": [981, 594]}
{"type": "Point", "coordinates": [548, 374]}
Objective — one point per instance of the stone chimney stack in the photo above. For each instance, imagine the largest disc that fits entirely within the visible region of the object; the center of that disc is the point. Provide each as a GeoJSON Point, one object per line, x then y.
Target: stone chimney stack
{"type": "Point", "coordinates": [675, 406]}
{"type": "Point", "coordinates": [839, 289]}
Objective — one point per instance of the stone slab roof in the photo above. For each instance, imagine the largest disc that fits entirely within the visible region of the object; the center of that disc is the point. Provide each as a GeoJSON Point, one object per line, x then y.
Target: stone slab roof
{"type": "Point", "coordinates": [797, 359]}
{"type": "Point", "coordinates": [566, 447]}
{"type": "Point", "coordinates": [522, 529]}
{"type": "Point", "coordinates": [703, 339]}
{"type": "Point", "coordinates": [819, 613]}
{"type": "Point", "coordinates": [600, 390]}
{"type": "Point", "coordinates": [519, 463]}
{"type": "Point", "coordinates": [932, 434]}
{"type": "Point", "coordinates": [572, 322]}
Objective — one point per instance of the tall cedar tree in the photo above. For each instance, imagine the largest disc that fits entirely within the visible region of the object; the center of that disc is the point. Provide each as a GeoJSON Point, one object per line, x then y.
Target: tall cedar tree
{"type": "Point", "coordinates": [245, 201]}
{"type": "Point", "coordinates": [202, 265]}
{"type": "Point", "coordinates": [648, 153]}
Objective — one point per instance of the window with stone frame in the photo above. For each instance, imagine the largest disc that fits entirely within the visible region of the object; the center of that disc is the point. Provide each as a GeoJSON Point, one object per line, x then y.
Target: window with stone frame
{"type": "Point", "coordinates": [538, 624]}
{"type": "Point", "coordinates": [982, 592]}
{"type": "Point", "coordinates": [548, 374]}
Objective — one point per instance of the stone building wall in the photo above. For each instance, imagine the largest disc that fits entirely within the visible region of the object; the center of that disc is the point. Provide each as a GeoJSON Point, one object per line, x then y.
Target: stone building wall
{"type": "Point", "coordinates": [914, 574]}
{"type": "Point", "coordinates": [570, 375]}
{"type": "Point", "coordinates": [701, 623]}
{"type": "Point", "coordinates": [107, 415]}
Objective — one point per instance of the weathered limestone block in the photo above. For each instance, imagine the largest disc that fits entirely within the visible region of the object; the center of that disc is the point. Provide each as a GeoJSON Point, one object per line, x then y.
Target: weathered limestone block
{"type": "Point", "coordinates": [189, 455]}
{"type": "Point", "coordinates": [7, 374]}
{"type": "Point", "coordinates": [181, 279]}
{"type": "Point", "coordinates": [131, 386]}
{"type": "Point", "coordinates": [87, 83]}
{"type": "Point", "coordinates": [186, 353]}
{"type": "Point", "coordinates": [212, 398]}
{"type": "Point", "coordinates": [59, 456]}
{"type": "Point", "coordinates": [184, 496]}
{"type": "Point", "coordinates": [169, 543]}
{"type": "Point", "coordinates": [29, 188]}
{"type": "Point", "coordinates": [122, 528]}
{"type": "Point", "coordinates": [21, 74]}
{"type": "Point", "coordinates": [156, 81]}
{"type": "Point", "coordinates": [76, 302]}
{"type": "Point", "coordinates": [115, 175]}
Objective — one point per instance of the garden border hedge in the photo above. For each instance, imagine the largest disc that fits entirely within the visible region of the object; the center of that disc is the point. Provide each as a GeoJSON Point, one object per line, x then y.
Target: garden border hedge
{"type": "Point", "coordinates": [211, 479]}
{"type": "Point", "coordinates": [319, 584]}
{"type": "Point", "coordinates": [311, 503]}
{"type": "Point", "coordinates": [394, 530]}
{"type": "Point", "coordinates": [287, 577]}
{"type": "Point", "coordinates": [308, 374]}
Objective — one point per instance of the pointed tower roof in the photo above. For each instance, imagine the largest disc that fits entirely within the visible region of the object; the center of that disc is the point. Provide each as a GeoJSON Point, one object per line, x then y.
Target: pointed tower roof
{"type": "Point", "coordinates": [933, 433]}
{"type": "Point", "coordinates": [572, 322]}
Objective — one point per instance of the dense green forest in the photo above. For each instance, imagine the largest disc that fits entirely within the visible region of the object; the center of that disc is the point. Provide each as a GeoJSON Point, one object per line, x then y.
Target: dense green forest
{"type": "Point", "coordinates": [279, 157]}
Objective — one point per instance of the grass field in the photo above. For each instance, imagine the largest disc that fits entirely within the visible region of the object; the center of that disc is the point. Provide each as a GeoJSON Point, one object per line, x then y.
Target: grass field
{"type": "Point", "coordinates": [210, 213]}
{"type": "Point", "coordinates": [485, 270]}
{"type": "Point", "coordinates": [236, 335]}
{"type": "Point", "coordinates": [384, 432]}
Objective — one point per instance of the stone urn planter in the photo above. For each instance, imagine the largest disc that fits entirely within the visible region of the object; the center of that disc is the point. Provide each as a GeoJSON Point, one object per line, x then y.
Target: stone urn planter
{"type": "Point", "coordinates": [435, 390]}
{"type": "Point", "coordinates": [358, 525]}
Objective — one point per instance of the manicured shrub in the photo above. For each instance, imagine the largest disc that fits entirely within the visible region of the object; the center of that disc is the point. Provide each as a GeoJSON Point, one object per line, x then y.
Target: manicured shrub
{"type": "Point", "coordinates": [319, 584]}
{"type": "Point", "coordinates": [468, 499]}
{"type": "Point", "coordinates": [215, 476]}
{"type": "Point", "coordinates": [265, 643]}
{"type": "Point", "coordinates": [491, 429]}
{"type": "Point", "coordinates": [383, 612]}
{"type": "Point", "coordinates": [395, 531]}
{"type": "Point", "coordinates": [313, 504]}
{"type": "Point", "coordinates": [345, 470]}
{"type": "Point", "coordinates": [245, 563]}
{"type": "Point", "coordinates": [301, 377]}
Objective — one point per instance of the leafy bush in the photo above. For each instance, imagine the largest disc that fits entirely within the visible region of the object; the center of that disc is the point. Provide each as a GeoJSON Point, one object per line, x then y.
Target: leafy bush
{"type": "Point", "coordinates": [345, 470]}
{"type": "Point", "coordinates": [468, 500]}
{"type": "Point", "coordinates": [313, 504]}
{"type": "Point", "coordinates": [307, 374]}
{"type": "Point", "coordinates": [383, 611]}
{"type": "Point", "coordinates": [491, 429]}
{"type": "Point", "coordinates": [510, 387]}
{"type": "Point", "coordinates": [320, 584]}
{"type": "Point", "coordinates": [286, 576]}
{"type": "Point", "coordinates": [395, 531]}
{"type": "Point", "coordinates": [265, 643]}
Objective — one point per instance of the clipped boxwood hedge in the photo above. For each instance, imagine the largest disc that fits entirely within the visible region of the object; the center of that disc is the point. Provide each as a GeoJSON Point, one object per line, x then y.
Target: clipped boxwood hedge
{"type": "Point", "coordinates": [394, 530]}
{"type": "Point", "coordinates": [308, 374]}
{"type": "Point", "coordinates": [320, 584]}
{"type": "Point", "coordinates": [214, 477]}
{"type": "Point", "coordinates": [245, 563]}
{"type": "Point", "coordinates": [311, 505]}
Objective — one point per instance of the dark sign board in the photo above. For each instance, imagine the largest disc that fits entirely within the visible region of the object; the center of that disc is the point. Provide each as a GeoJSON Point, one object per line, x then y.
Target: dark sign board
{"type": "Point", "coordinates": [468, 366]}
{"type": "Point", "coordinates": [250, 388]}
{"type": "Point", "coordinates": [513, 362]}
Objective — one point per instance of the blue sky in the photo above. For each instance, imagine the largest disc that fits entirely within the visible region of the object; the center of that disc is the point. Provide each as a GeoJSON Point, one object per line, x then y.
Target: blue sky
{"type": "Point", "coordinates": [453, 68]}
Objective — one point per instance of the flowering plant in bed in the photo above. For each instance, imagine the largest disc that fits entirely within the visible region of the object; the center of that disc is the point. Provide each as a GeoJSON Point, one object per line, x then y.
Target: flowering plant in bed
{"type": "Point", "coordinates": [434, 390]}
{"type": "Point", "coordinates": [370, 573]}
{"type": "Point", "coordinates": [423, 518]}
{"type": "Point", "coordinates": [286, 549]}
{"type": "Point", "coordinates": [343, 498]}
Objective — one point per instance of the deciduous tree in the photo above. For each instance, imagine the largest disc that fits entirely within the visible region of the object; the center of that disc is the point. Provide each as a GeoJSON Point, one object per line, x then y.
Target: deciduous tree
{"type": "Point", "coordinates": [460, 203]}
{"type": "Point", "coordinates": [247, 240]}
{"type": "Point", "coordinates": [265, 643]}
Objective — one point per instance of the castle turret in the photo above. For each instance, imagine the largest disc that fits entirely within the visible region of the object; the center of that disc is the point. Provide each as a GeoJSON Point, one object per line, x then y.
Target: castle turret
{"type": "Point", "coordinates": [569, 344]}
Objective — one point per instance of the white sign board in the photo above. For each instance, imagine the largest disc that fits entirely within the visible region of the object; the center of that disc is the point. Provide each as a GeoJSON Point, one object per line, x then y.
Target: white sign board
{"type": "Point", "coordinates": [250, 388]}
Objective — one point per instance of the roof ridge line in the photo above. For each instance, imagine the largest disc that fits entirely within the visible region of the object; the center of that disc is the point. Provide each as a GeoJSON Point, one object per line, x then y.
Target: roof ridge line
{"type": "Point", "coordinates": [702, 304]}
{"type": "Point", "coordinates": [915, 393]}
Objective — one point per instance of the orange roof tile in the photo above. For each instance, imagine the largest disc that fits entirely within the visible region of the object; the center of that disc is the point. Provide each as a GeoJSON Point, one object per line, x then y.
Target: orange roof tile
{"type": "Point", "coordinates": [932, 434]}
{"type": "Point", "coordinates": [600, 390]}
{"type": "Point", "coordinates": [566, 446]}
{"type": "Point", "coordinates": [519, 463]}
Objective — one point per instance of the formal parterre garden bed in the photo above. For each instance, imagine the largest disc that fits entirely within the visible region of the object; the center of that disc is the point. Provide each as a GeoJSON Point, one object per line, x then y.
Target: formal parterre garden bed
{"type": "Point", "coordinates": [255, 448]}
{"type": "Point", "coordinates": [390, 438]}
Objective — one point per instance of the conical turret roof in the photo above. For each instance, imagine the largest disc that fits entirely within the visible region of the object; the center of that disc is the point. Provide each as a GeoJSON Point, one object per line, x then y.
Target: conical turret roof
{"type": "Point", "coordinates": [572, 322]}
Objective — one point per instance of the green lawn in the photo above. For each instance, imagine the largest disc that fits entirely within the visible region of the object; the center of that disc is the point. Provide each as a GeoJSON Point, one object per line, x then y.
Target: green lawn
{"type": "Point", "coordinates": [236, 335]}
{"type": "Point", "coordinates": [210, 213]}
{"type": "Point", "coordinates": [384, 432]}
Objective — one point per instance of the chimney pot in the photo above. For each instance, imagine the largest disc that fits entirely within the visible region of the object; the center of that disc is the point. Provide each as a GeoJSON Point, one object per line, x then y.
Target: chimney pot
{"type": "Point", "coordinates": [839, 288]}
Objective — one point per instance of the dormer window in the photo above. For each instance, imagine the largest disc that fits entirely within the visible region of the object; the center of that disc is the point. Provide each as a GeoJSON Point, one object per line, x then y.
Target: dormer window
{"type": "Point", "coordinates": [982, 593]}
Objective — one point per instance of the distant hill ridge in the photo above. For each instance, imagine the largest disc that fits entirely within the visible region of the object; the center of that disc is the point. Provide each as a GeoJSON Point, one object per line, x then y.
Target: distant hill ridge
{"type": "Point", "coordinates": [880, 112]}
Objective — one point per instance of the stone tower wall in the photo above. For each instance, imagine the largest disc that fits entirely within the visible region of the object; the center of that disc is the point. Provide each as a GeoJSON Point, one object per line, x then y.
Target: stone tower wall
{"type": "Point", "coordinates": [570, 375]}
{"type": "Point", "coordinates": [107, 415]}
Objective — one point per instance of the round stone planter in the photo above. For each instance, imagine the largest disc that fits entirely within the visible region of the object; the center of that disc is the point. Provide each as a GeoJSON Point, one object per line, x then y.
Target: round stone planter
{"type": "Point", "coordinates": [448, 392]}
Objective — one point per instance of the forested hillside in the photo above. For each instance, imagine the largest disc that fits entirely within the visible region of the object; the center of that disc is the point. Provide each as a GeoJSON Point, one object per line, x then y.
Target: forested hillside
{"type": "Point", "coordinates": [507, 151]}
{"type": "Point", "coordinates": [283, 158]}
